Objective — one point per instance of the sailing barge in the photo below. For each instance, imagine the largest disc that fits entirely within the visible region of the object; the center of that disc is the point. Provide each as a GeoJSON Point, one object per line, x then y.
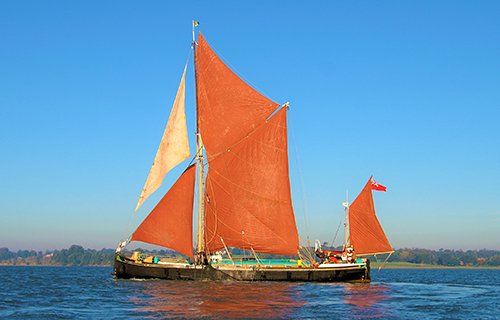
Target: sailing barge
{"type": "Point", "coordinates": [241, 172]}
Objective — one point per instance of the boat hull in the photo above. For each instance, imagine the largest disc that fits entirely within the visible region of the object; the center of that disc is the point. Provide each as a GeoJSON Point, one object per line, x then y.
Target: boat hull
{"type": "Point", "coordinates": [126, 269]}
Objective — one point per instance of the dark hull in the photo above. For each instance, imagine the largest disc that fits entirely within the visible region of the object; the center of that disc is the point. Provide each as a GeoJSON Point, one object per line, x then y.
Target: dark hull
{"type": "Point", "coordinates": [126, 269]}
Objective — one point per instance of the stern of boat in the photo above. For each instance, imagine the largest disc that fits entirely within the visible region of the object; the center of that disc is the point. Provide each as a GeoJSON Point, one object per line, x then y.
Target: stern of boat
{"type": "Point", "coordinates": [367, 271]}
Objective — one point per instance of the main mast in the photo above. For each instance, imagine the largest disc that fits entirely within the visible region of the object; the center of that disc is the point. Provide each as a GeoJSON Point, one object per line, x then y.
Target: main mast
{"type": "Point", "coordinates": [200, 249]}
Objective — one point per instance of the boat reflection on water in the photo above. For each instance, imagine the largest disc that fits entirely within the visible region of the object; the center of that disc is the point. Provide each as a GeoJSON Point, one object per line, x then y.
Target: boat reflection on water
{"type": "Point", "coordinates": [366, 298]}
{"type": "Point", "coordinates": [175, 299]}
{"type": "Point", "coordinates": [283, 300]}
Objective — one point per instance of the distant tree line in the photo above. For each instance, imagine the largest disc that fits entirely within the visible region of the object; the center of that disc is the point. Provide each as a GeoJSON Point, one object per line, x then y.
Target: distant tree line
{"type": "Point", "coordinates": [443, 257]}
{"type": "Point", "coordinates": [78, 256]}
{"type": "Point", "coordinates": [446, 257]}
{"type": "Point", "coordinates": [74, 256]}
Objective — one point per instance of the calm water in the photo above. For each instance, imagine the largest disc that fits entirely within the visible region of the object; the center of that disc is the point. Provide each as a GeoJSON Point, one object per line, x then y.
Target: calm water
{"type": "Point", "coordinates": [87, 292]}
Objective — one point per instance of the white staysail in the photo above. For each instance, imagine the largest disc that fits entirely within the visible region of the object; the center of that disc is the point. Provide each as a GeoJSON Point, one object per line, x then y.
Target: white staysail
{"type": "Point", "coordinates": [174, 145]}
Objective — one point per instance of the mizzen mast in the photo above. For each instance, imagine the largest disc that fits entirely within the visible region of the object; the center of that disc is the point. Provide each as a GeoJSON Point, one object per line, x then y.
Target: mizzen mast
{"type": "Point", "coordinates": [346, 206]}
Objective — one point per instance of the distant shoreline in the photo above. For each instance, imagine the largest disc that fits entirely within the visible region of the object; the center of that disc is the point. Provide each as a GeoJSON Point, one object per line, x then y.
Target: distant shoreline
{"type": "Point", "coordinates": [408, 265]}
{"type": "Point", "coordinates": [415, 258]}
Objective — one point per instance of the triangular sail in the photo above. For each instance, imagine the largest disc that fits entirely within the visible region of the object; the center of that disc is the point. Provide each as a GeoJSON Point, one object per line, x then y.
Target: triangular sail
{"type": "Point", "coordinates": [170, 223]}
{"type": "Point", "coordinates": [228, 108]}
{"type": "Point", "coordinates": [366, 234]}
{"type": "Point", "coordinates": [247, 193]}
{"type": "Point", "coordinates": [174, 145]}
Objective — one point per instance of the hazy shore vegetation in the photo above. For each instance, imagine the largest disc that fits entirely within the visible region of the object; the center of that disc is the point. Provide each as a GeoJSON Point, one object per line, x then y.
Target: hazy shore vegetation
{"type": "Point", "coordinates": [402, 258]}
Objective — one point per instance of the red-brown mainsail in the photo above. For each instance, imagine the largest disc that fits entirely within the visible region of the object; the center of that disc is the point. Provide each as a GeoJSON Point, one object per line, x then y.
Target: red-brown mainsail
{"type": "Point", "coordinates": [247, 195]}
{"type": "Point", "coordinates": [228, 108]}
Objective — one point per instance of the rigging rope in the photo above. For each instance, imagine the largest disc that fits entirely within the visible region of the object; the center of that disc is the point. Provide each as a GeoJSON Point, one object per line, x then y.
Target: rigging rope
{"type": "Point", "coordinates": [301, 184]}
{"type": "Point", "coordinates": [336, 233]}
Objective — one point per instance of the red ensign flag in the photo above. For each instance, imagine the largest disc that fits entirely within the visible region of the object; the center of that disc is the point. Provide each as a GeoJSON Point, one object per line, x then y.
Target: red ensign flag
{"type": "Point", "coordinates": [378, 187]}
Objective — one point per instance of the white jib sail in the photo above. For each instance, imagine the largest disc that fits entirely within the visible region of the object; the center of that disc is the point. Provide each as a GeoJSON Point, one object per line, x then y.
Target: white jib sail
{"type": "Point", "coordinates": [174, 145]}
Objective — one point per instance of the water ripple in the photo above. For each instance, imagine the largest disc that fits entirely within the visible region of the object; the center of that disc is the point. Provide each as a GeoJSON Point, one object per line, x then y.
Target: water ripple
{"type": "Point", "coordinates": [91, 293]}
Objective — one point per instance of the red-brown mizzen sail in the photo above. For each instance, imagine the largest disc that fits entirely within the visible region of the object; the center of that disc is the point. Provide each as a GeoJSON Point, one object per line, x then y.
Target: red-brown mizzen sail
{"type": "Point", "coordinates": [170, 224]}
{"type": "Point", "coordinates": [366, 234]}
{"type": "Point", "coordinates": [247, 195]}
{"type": "Point", "coordinates": [228, 108]}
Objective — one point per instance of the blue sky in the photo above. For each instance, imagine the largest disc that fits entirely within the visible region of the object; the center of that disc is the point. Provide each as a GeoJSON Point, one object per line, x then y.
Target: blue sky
{"type": "Point", "coordinates": [406, 91]}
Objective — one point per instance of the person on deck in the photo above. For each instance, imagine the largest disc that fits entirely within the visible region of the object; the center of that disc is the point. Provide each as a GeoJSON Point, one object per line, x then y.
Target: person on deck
{"type": "Point", "coordinates": [350, 256]}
